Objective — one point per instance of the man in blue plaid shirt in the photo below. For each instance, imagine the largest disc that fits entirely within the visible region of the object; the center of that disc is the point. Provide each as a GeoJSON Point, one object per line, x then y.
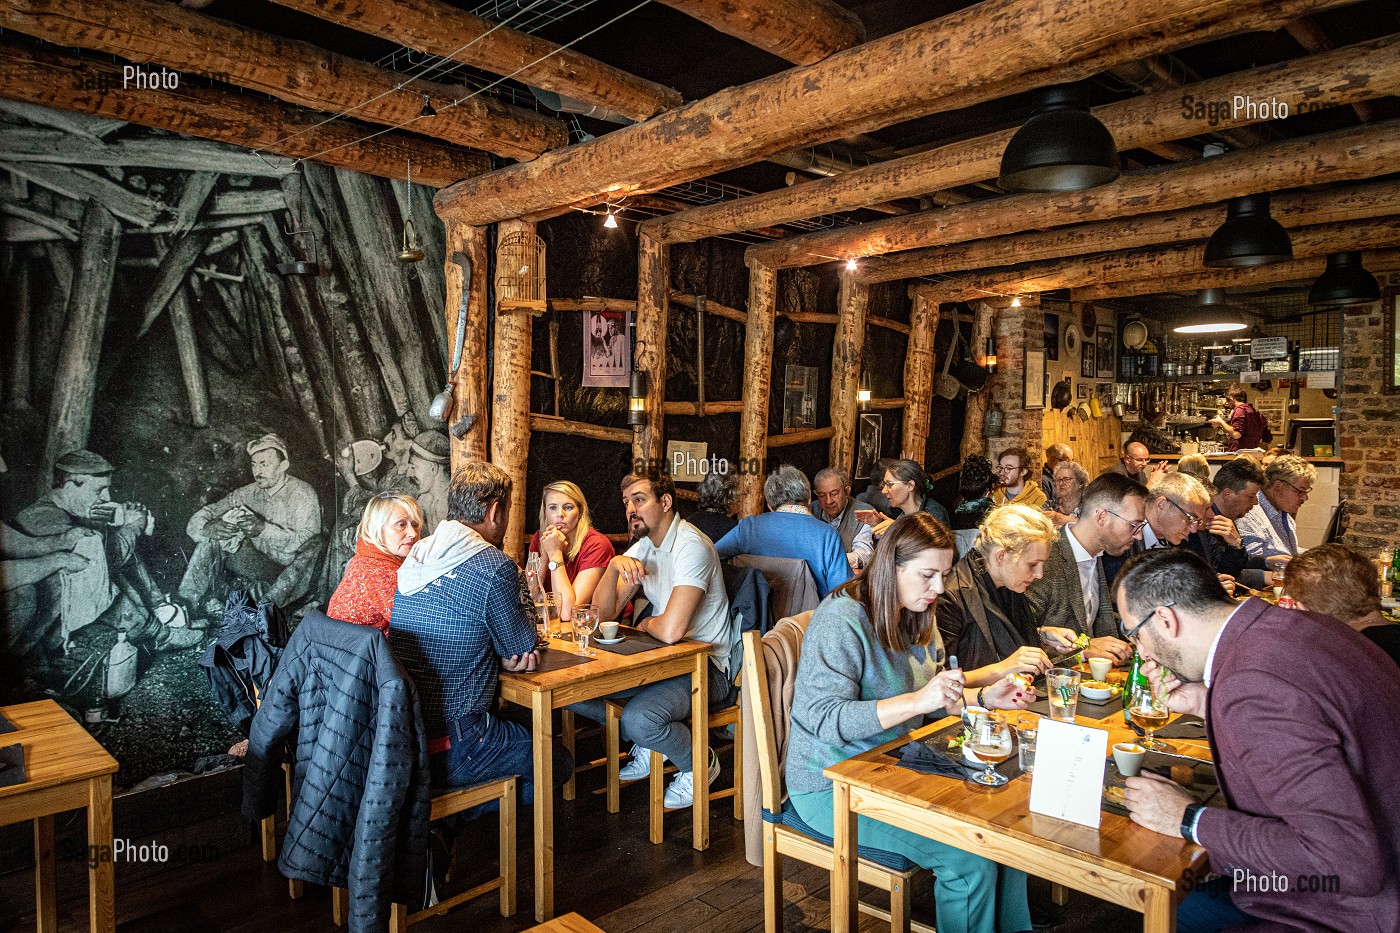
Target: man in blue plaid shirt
{"type": "Point", "coordinates": [462, 614]}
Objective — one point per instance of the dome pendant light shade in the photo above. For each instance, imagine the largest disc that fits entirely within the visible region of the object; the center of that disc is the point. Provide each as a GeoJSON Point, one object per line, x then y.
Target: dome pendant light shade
{"type": "Point", "coordinates": [1213, 314]}
{"type": "Point", "coordinates": [1249, 236]}
{"type": "Point", "coordinates": [1062, 148]}
{"type": "Point", "coordinates": [1344, 282]}
{"type": "Point", "coordinates": [1211, 296]}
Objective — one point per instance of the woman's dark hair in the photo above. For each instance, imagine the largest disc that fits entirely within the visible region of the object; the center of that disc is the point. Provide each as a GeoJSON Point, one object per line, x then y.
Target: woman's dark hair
{"type": "Point", "coordinates": [718, 489]}
{"type": "Point", "coordinates": [896, 628]}
{"type": "Point", "coordinates": [907, 471]}
{"type": "Point", "coordinates": [977, 478]}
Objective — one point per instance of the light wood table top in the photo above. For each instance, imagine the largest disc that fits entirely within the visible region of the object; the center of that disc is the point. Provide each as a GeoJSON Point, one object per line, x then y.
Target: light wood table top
{"type": "Point", "coordinates": [569, 923]}
{"type": "Point", "coordinates": [567, 685]}
{"type": "Point", "coordinates": [57, 750]}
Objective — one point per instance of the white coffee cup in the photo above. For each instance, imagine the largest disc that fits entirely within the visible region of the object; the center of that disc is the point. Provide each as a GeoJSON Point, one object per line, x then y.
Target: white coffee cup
{"type": "Point", "coordinates": [607, 630]}
{"type": "Point", "coordinates": [1099, 667]}
{"type": "Point", "coordinates": [973, 715]}
{"type": "Point", "coordinates": [1128, 757]}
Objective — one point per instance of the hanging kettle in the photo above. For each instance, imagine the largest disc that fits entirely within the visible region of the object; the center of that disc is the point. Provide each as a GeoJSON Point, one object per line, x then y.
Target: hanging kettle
{"type": "Point", "coordinates": [411, 251]}
{"type": "Point", "coordinates": [993, 423]}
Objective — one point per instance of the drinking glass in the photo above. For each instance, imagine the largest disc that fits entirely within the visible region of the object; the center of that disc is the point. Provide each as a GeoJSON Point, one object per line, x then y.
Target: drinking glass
{"type": "Point", "coordinates": [532, 575]}
{"type": "Point", "coordinates": [990, 743]}
{"type": "Point", "coordinates": [585, 622]}
{"type": "Point", "coordinates": [549, 617]}
{"type": "Point", "coordinates": [1149, 712]}
{"type": "Point", "coordinates": [1026, 734]}
{"type": "Point", "coordinates": [1062, 688]}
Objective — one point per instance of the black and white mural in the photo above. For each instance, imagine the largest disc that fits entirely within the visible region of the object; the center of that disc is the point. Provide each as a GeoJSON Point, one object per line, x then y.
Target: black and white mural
{"type": "Point", "coordinates": [211, 360]}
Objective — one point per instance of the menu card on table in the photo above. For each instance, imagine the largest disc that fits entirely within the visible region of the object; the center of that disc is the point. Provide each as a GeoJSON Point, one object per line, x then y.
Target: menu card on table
{"type": "Point", "coordinates": [1069, 766]}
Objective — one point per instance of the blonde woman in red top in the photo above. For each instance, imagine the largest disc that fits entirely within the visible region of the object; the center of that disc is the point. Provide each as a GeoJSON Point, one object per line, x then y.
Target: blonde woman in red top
{"type": "Point", "coordinates": [573, 553]}
{"type": "Point", "coordinates": [391, 524]}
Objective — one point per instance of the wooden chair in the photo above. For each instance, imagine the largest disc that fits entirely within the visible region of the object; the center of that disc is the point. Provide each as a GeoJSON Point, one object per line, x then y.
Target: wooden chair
{"type": "Point", "coordinates": [267, 831]}
{"type": "Point", "coordinates": [882, 870]}
{"type": "Point", "coordinates": [444, 805]}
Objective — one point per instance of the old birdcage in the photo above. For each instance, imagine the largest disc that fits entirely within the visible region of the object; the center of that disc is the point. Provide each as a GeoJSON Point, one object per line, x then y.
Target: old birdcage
{"type": "Point", "coordinates": [520, 272]}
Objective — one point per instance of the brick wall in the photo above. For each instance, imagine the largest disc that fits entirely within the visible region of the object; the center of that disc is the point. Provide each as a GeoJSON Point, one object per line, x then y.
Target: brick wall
{"type": "Point", "coordinates": [1016, 329]}
{"type": "Point", "coordinates": [1370, 428]}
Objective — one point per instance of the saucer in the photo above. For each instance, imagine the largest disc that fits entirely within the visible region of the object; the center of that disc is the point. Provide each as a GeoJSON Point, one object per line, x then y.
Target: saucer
{"type": "Point", "coordinates": [608, 641]}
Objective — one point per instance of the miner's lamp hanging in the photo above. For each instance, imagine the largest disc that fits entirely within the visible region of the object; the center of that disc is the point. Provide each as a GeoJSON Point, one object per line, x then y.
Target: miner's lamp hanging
{"type": "Point", "coordinates": [410, 251]}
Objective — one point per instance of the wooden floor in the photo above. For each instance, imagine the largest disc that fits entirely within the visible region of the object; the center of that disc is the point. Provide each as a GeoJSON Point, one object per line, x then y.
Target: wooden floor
{"type": "Point", "coordinates": [605, 869]}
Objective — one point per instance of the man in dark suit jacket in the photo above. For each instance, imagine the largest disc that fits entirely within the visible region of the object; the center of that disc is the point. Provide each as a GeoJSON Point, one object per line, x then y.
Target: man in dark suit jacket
{"type": "Point", "coordinates": [1177, 505]}
{"type": "Point", "coordinates": [1300, 713]}
{"type": "Point", "coordinates": [1111, 519]}
{"type": "Point", "coordinates": [1237, 486]}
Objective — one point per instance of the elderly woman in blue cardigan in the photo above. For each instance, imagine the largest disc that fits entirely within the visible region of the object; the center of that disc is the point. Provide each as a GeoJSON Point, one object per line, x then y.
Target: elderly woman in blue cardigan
{"type": "Point", "coordinates": [871, 670]}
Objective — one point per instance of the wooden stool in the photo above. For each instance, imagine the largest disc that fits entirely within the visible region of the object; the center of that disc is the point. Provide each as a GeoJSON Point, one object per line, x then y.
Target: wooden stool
{"type": "Point", "coordinates": [447, 804]}
{"type": "Point", "coordinates": [267, 830]}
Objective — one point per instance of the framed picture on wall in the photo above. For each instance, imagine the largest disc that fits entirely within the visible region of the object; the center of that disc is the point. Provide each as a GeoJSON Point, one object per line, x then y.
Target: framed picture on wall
{"type": "Point", "coordinates": [799, 398]}
{"type": "Point", "coordinates": [607, 353]}
{"type": "Point", "coordinates": [868, 444]}
{"type": "Point", "coordinates": [1033, 388]}
{"type": "Point", "coordinates": [1086, 357]}
{"type": "Point", "coordinates": [1390, 311]}
{"type": "Point", "coordinates": [1081, 390]}
{"type": "Point", "coordinates": [1105, 352]}
{"type": "Point", "coordinates": [1052, 338]}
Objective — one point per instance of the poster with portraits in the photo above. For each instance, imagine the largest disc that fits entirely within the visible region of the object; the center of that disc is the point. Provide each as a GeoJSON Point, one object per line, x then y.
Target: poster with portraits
{"type": "Point", "coordinates": [607, 351]}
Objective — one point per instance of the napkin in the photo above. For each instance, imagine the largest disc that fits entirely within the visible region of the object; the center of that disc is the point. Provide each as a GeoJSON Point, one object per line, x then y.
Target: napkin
{"type": "Point", "coordinates": [1186, 727]}
{"type": "Point", "coordinates": [6, 725]}
{"type": "Point", "coordinates": [12, 765]}
{"type": "Point", "coordinates": [918, 756]}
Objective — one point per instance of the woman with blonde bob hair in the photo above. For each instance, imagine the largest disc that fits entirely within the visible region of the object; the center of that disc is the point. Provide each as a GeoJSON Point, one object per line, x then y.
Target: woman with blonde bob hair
{"type": "Point", "coordinates": [872, 669]}
{"type": "Point", "coordinates": [575, 554]}
{"type": "Point", "coordinates": [391, 523]}
{"type": "Point", "coordinates": [984, 616]}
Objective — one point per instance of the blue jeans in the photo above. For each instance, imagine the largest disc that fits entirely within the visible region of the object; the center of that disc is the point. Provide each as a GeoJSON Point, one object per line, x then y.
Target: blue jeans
{"type": "Point", "coordinates": [1210, 908]}
{"type": "Point", "coordinates": [499, 748]}
{"type": "Point", "coordinates": [655, 715]}
{"type": "Point", "coordinates": [972, 894]}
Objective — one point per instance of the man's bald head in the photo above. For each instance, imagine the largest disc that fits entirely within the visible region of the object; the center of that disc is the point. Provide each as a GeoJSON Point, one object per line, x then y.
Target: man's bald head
{"type": "Point", "coordinates": [1137, 451]}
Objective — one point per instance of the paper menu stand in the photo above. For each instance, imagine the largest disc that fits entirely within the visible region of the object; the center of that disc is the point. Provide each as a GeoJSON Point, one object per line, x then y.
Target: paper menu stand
{"type": "Point", "coordinates": [1069, 766]}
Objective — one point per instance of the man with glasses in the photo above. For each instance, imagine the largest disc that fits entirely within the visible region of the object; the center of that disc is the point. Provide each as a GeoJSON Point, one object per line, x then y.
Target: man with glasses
{"type": "Point", "coordinates": [1073, 590]}
{"type": "Point", "coordinates": [1270, 528]}
{"type": "Point", "coordinates": [1177, 505]}
{"type": "Point", "coordinates": [1304, 742]}
{"type": "Point", "coordinates": [1014, 469]}
{"type": "Point", "coordinates": [1135, 464]}
{"type": "Point", "coordinates": [1237, 486]}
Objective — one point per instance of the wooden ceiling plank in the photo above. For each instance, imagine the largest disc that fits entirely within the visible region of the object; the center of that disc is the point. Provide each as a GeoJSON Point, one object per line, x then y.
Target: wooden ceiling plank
{"type": "Point", "coordinates": [800, 31]}
{"type": "Point", "coordinates": [1297, 270]}
{"type": "Point", "coordinates": [1368, 69]}
{"type": "Point", "coordinates": [445, 31]}
{"type": "Point", "coordinates": [1307, 33]}
{"type": "Point", "coordinates": [65, 80]}
{"type": "Point", "coordinates": [1344, 155]}
{"type": "Point", "coordinates": [987, 51]}
{"type": "Point", "coordinates": [165, 35]}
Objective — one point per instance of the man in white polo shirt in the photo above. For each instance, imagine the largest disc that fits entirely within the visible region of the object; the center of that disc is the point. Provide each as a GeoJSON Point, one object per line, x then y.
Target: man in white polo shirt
{"type": "Point", "coordinates": [676, 568]}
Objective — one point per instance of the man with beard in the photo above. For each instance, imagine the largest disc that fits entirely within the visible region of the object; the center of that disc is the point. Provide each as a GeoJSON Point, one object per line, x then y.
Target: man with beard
{"type": "Point", "coordinates": [255, 532]}
{"type": "Point", "coordinates": [1177, 505]}
{"type": "Point", "coordinates": [1304, 740]}
{"type": "Point", "coordinates": [1074, 593]}
{"type": "Point", "coordinates": [675, 566]}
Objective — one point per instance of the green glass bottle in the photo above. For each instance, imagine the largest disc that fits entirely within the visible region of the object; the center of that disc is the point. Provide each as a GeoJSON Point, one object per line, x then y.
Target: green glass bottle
{"type": "Point", "coordinates": [1135, 677]}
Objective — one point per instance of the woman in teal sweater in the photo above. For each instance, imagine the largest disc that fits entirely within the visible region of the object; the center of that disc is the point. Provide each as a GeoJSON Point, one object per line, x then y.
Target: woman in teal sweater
{"type": "Point", "coordinates": [871, 671]}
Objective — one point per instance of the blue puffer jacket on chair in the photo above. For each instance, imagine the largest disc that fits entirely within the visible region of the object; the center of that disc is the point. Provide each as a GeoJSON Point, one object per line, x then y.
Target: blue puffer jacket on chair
{"type": "Point", "coordinates": [359, 818]}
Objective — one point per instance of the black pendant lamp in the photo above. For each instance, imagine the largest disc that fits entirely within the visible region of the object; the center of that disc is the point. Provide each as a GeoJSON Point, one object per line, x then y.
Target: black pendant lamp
{"type": "Point", "coordinates": [1344, 282]}
{"type": "Point", "coordinates": [1063, 147]}
{"type": "Point", "coordinates": [1213, 314]}
{"type": "Point", "coordinates": [1249, 236]}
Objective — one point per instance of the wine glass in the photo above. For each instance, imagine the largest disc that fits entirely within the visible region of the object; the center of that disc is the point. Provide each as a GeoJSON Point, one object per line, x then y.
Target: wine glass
{"type": "Point", "coordinates": [1149, 711]}
{"type": "Point", "coordinates": [990, 742]}
{"type": "Point", "coordinates": [585, 622]}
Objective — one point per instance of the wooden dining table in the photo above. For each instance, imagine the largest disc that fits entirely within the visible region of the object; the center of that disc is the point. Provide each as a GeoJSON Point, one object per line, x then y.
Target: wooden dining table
{"type": "Point", "coordinates": [544, 692]}
{"type": "Point", "coordinates": [65, 769]}
{"type": "Point", "coordinates": [1119, 861]}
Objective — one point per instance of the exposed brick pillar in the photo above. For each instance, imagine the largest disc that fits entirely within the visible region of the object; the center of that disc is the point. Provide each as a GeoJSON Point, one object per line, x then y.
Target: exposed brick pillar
{"type": "Point", "coordinates": [1370, 428]}
{"type": "Point", "coordinates": [1016, 329]}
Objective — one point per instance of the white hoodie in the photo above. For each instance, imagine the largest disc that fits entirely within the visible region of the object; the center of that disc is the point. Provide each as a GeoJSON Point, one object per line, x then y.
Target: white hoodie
{"type": "Point", "coordinates": [438, 554]}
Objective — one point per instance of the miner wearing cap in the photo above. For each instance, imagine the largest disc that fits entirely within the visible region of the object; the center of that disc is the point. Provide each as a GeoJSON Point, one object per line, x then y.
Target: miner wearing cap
{"type": "Point", "coordinates": [256, 533]}
{"type": "Point", "coordinates": [427, 468]}
{"type": "Point", "coordinates": [104, 534]}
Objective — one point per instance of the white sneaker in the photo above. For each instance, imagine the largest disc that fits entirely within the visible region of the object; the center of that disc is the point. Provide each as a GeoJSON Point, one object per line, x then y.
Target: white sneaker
{"type": "Point", "coordinates": [639, 767]}
{"type": "Point", "coordinates": [681, 793]}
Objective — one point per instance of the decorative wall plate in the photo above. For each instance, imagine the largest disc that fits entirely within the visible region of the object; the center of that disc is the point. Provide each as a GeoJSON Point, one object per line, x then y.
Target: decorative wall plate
{"type": "Point", "coordinates": [1088, 320]}
{"type": "Point", "coordinates": [1071, 339]}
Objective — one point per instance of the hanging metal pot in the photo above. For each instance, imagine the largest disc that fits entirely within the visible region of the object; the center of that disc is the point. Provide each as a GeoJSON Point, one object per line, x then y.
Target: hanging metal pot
{"type": "Point", "coordinates": [944, 384]}
{"type": "Point", "coordinates": [411, 251]}
{"type": "Point", "coordinates": [1119, 409]}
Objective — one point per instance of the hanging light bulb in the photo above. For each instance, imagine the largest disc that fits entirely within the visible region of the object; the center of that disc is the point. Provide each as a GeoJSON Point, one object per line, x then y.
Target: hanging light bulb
{"type": "Point", "coordinates": [611, 220]}
{"type": "Point", "coordinates": [851, 264]}
{"type": "Point", "coordinates": [1249, 236]}
{"type": "Point", "coordinates": [428, 110]}
{"type": "Point", "coordinates": [1015, 302]}
{"type": "Point", "coordinates": [1344, 282]}
{"type": "Point", "coordinates": [1063, 147]}
{"type": "Point", "coordinates": [1212, 315]}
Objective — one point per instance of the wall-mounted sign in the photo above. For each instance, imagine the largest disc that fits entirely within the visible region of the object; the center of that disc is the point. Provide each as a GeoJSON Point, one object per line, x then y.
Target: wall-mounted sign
{"type": "Point", "coordinates": [1268, 348]}
{"type": "Point", "coordinates": [688, 460]}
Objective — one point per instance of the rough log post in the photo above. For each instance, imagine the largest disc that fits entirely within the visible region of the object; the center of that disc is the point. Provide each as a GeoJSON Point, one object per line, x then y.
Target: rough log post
{"type": "Point", "coordinates": [852, 301]}
{"type": "Point", "coordinates": [800, 31]}
{"type": "Point", "coordinates": [649, 354]}
{"type": "Point", "coordinates": [469, 393]}
{"type": "Point", "coordinates": [174, 269]}
{"type": "Point", "coordinates": [979, 402]}
{"type": "Point", "coordinates": [191, 364]}
{"type": "Point", "coordinates": [367, 210]}
{"type": "Point", "coordinates": [510, 432]}
{"type": "Point", "coordinates": [758, 375]}
{"type": "Point", "coordinates": [75, 376]}
{"type": "Point", "coordinates": [17, 387]}
{"type": "Point", "coordinates": [918, 376]}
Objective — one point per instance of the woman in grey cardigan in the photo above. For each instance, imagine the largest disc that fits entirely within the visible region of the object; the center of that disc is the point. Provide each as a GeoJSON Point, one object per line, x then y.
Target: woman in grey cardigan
{"type": "Point", "coordinates": [871, 671]}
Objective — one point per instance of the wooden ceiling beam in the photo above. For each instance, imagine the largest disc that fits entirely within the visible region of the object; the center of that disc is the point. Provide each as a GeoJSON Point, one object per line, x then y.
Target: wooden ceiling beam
{"type": "Point", "coordinates": [1369, 69]}
{"type": "Point", "coordinates": [987, 51]}
{"type": "Point", "coordinates": [1297, 270]}
{"type": "Point", "coordinates": [1152, 263]}
{"type": "Point", "coordinates": [800, 31]}
{"type": "Point", "coordinates": [69, 81]}
{"type": "Point", "coordinates": [1307, 33]}
{"type": "Point", "coordinates": [447, 32]}
{"type": "Point", "coordinates": [1344, 155]}
{"type": "Point", "coordinates": [1292, 209]}
{"type": "Point", "coordinates": [155, 33]}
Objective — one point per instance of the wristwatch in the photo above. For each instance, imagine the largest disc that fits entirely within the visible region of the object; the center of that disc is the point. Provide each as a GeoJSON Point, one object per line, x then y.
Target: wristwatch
{"type": "Point", "coordinates": [553, 566]}
{"type": "Point", "coordinates": [1189, 820]}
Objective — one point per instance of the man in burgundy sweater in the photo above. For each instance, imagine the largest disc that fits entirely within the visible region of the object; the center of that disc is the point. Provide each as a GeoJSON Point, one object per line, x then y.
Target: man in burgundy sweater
{"type": "Point", "coordinates": [1300, 713]}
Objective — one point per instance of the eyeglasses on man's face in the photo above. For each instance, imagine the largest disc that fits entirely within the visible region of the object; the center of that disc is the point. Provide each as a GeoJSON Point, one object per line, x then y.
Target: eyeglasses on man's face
{"type": "Point", "coordinates": [1130, 634]}
{"type": "Point", "coordinates": [1191, 520]}
{"type": "Point", "coordinates": [1302, 493]}
{"type": "Point", "coordinates": [1136, 526]}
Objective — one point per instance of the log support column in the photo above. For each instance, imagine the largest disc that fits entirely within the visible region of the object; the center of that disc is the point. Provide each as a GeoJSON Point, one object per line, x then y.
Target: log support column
{"type": "Point", "coordinates": [852, 302]}
{"type": "Point", "coordinates": [510, 429]}
{"type": "Point", "coordinates": [649, 353]}
{"type": "Point", "coordinates": [470, 439]}
{"type": "Point", "coordinates": [918, 374]}
{"type": "Point", "coordinates": [758, 375]}
{"type": "Point", "coordinates": [979, 403]}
